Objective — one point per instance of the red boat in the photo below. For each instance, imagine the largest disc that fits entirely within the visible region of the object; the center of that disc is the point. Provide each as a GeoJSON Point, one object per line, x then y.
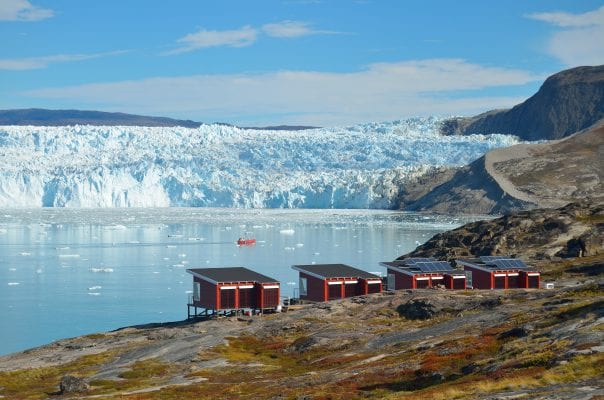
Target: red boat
{"type": "Point", "coordinates": [246, 241]}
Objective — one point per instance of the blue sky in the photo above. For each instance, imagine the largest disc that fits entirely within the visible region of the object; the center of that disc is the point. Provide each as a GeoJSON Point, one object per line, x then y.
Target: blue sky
{"type": "Point", "coordinates": [288, 61]}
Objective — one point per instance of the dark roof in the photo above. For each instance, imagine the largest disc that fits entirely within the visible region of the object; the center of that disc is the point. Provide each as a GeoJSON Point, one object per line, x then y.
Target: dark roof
{"type": "Point", "coordinates": [231, 274]}
{"type": "Point", "coordinates": [335, 271]}
{"type": "Point", "coordinates": [421, 265]}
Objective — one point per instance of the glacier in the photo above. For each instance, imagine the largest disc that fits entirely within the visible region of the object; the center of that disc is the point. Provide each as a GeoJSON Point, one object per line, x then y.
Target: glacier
{"type": "Point", "coordinates": [362, 166]}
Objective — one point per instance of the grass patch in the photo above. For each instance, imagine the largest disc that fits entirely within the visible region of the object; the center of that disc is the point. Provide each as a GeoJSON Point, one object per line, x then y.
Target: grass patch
{"type": "Point", "coordinates": [39, 383]}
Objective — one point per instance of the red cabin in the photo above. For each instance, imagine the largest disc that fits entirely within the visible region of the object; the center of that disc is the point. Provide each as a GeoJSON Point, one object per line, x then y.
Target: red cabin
{"type": "Point", "coordinates": [422, 273]}
{"type": "Point", "coordinates": [500, 272]}
{"type": "Point", "coordinates": [232, 289]}
{"type": "Point", "coordinates": [323, 282]}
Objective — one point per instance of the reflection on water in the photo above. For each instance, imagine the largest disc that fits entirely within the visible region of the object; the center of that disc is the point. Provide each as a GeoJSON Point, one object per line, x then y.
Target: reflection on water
{"type": "Point", "coordinates": [67, 272]}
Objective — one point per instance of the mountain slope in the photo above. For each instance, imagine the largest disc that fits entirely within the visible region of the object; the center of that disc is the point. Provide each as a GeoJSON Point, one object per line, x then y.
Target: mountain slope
{"type": "Point", "coordinates": [567, 102]}
{"type": "Point", "coordinates": [524, 176]}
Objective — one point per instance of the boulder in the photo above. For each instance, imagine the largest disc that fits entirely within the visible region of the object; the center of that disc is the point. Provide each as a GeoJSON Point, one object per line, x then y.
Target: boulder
{"type": "Point", "coordinates": [72, 384]}
{"type": "Point", "coordinates": [416, 309]}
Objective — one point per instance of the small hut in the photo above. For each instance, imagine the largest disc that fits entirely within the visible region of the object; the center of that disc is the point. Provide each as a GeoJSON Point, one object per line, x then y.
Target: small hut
{"type": "Point", "coordinates": [500, 272]}
{"type": "Point", "coordinates": [227, 290]}
{"type": "Point", "coordinates": [323, 282]}
{"type": "Point", "coordinates": [421, 273]}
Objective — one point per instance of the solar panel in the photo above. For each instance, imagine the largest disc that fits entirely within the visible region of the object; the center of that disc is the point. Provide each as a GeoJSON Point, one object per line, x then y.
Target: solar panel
{"type": "Point", "coordinates": [488, 259]}
{"type": "Point", "coordinates": [509, 263]}
{"type": "Point", "coordinates": [433, 266]}
{"type": "Point", "coordinates": [413, 260]}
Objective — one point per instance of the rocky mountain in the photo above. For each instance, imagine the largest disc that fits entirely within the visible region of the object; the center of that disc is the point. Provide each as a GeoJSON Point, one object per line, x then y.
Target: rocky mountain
{"type": "Point", "coordinates": [408, 344]}
{"type": "Point", "coordinates": [567, 102]}
{"type": "Point", "coordinates": [43, 117]}
{"type": "Point", "coordinates": [574, 230]}
{"type": "Point", "coordinates": [522, 176]}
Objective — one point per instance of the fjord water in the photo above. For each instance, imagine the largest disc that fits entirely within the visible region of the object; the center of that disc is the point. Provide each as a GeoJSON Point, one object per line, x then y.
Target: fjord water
{"type": "Point", "coordinates": [68, 272]}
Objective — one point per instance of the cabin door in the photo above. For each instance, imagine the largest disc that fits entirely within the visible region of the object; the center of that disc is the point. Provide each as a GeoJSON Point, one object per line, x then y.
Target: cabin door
{"type": "Point", "coordinates": [391, 282]}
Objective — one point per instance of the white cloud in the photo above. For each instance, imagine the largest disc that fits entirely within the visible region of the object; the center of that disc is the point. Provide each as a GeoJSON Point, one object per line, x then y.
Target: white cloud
{"type": "Point", "coordinates": [241, 37]}
{"type": "Point", "coordinates": [22, 10]}
{"type": "Point", "coordinates": [291, 29]}
{"type": "Point", "coordinates": [380, 92]}
{"type": "Point", "coordinates": [244, 36]}
{"type": "Point", "coordinates": [43, 62]}
{"type": "Point", "coordinates": [568, 20]}
{"type": "Point", "coordinates": [581, 40]}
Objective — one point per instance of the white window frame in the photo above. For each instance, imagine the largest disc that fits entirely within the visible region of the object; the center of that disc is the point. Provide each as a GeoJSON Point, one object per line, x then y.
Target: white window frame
{"type": "Point", "coordinates": [196, 291]}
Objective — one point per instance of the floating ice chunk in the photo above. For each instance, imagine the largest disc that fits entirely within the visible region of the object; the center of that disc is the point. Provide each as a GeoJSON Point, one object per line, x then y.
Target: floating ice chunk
{"type": "Point", "coordinates": [155, 272]}
{"type": "Point", "coordinates": [188, 291]}
{"type": "Point", "coordinates": [174, 235]}
{"type": "Point", "coordinates": [171, 246]}
{"type": "Point", "coordinates": [117, 227]}
{"type": "Point", "coordinates": [106, 270]}
{"type": "Point", "coordinates": [13, 283]}
{"type": "Point", "coordinates": [25, 253]}
{"type": "Point", "coordinates": [289, 248]}
{"type": "Point", "coordinates": [63, 248]}
{"type": "Point", "coordinates": [287, 232]}
{"type": "Point", "coordinates": [39, 271]}
{"type": "Point", "coordinates": [316, 253]}
{"type": "Point", "coordinates": [69, 256]}
{"type": "Point", "coordinates": [166, 258]}
{"type": "Point", "coordinates": [94, 288]}
{"type": "Point", "coordinates": [197, 239]}
{"type": "Point", "coordinates": [12, 269]}
{"type": "Point", "coordinates": [299, 244]}
{"type": "Point", "coordinates": [182, 255]}
{"type": "Point", "coordinates": [94, 293]}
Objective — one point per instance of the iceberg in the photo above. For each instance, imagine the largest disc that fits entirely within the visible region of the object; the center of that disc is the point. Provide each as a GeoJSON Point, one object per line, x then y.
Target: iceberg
{"type": "Point", "coordinates": [362, 166]}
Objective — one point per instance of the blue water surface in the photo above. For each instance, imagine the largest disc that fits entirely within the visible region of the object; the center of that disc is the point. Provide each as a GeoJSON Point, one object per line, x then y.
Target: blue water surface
{"type": "Point", "coordinates": [68, 272]}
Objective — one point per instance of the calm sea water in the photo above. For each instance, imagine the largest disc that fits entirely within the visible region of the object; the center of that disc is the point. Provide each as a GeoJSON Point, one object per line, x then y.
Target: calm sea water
{"type": "Point", "coordinates": [66, 272]}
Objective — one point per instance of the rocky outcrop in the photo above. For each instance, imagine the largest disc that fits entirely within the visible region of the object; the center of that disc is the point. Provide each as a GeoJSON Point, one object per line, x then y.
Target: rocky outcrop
{"type": "Point", "coordinates": [574, 230]}
{"type": "Point", "coordinates": [567, 102]}
{"type": "Point", "coordinates": [416, 309]}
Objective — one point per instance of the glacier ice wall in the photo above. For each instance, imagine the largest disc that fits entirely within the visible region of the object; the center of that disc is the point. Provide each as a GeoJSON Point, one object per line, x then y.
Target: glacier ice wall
{"type": "Point", "coordinates": [362, 166]}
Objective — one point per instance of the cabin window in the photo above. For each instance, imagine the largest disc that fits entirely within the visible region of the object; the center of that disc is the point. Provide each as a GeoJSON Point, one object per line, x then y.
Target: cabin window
{"type": "Point", "coordinates": [196, 291]}
{"type": "Point", "coordinates": [303, 286]}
